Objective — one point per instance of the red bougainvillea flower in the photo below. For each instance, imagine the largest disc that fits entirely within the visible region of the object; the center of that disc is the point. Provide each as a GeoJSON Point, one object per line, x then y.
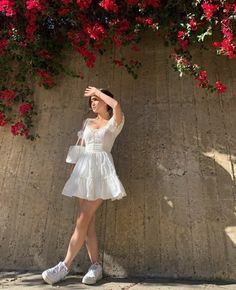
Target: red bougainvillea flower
{"type": "Point", "coordinates": [8, 96]}
{"type": "Point", "coordinates": [109, 5]}
{"type": "Point", "coordinates": [7, 7]}
{"type": "Point", "coordinates": [216, 44]}
{"type": "Point", "coordinates": [89, 57]}
{"type": "Point", "coordinates": [2, 119]}
{"type": "Point", "coordinates": [78, 38]}
{"type": "Point", "coordinates": [46, 77]}
{"type": "Point", "coordinates": [209, 9]}
{"type": "Point", "coordinates": [228, 7]}
{"type": "Point", "coordinates": [31, 25]}
{"type": "Point", "coordinates": [95, 31]}
{"type": "Point", "coordinates": [25, 108]}
{"type": "Point", "coordinates": [193, 24]}
{"type": "Point", "coordinates": [19, 128]}
{"type": "Point", "coordinates": [84, 4]}
{"type": "Point", "coordinates": [135, 48]}
{"type": "Point", "coordinates": [43, 73]}
{"type": "Point", "coordinates": [201, 79]}
{"type": "Point", "coordinates": [226, 28]}
{"type": "Point", "coordinates": [180, 35]}
{"type": "Point", "coordinates": [183, 43]}
{"type": "Point", "coordinates": [118, 62]}
{"type": "Point", "coordinates": [228, 43]}
{"type": "Point", "coordinates": [116, 38]}
{"type": "Point", "coordinates": [144, 20]}
{"type": "Point", "coordinates": [23, 43]}
{"type": "Point", "coordinates": [44, 53]}
{"type": "Point", "coordinates": [34, 4]}
{"type": "Point", "coordinates": [227, 48]}
{"type": "Point", "coordinates": [120, 25]}
{"type": "Point", "coordinates": [220, 87]}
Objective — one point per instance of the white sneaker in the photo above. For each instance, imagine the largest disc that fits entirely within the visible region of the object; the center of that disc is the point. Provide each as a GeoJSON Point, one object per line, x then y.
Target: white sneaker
{"type": "Point", "coordinates": [55, 274]}
{"type": "Point", "coordinates": [93, 275]}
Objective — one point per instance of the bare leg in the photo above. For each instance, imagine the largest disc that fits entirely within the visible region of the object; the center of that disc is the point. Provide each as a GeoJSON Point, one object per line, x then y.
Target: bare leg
{"type": "Point", "coordinates": [91, 238]}
{"type": "Point", "coordinates": [87, 211]}
{"type": "Point", "coordinates": [91, 241]}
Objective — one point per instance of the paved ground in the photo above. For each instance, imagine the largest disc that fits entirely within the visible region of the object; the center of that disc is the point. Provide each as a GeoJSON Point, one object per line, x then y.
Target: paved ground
{"type": "Point", "coordinates": [29, 280]}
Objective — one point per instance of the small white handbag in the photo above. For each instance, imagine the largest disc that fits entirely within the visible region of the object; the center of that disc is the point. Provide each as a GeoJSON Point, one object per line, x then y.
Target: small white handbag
{"type": "Point", "coordinates": [76, 150]}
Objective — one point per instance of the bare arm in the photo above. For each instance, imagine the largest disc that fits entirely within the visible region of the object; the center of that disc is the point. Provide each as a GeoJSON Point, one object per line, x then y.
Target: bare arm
{"type": "Point", "coordinates": [114, 104]}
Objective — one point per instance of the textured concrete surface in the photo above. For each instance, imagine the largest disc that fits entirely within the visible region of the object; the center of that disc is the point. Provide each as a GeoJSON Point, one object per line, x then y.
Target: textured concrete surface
{"type": "Point", "coordinates": [33, 280]}
{"type": "Point", "coordinates": [176, 157]}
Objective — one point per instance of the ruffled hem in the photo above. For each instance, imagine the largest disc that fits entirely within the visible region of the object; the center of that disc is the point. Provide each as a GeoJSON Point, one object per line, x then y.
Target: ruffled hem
{"type": "Point", "coordinates": [84, 187]}
{"type": "Point", "coordinates": [94, 176]}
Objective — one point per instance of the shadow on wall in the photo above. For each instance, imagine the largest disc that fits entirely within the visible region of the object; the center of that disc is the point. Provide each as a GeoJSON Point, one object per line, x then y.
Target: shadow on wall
{"type": "Point", "coordinates": [179, 218]}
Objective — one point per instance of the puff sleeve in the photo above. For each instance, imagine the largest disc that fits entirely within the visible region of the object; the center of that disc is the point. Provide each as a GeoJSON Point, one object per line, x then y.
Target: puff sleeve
{"type": "Point", "coordinates": [113, 125]}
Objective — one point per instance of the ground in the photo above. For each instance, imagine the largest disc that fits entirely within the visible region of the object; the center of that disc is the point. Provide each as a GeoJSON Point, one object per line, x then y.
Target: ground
{"type": "Point", "coordinates": [32, 280]}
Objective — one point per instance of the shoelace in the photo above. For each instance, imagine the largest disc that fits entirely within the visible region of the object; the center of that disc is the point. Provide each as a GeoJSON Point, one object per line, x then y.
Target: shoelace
{"type": "Point", "coordinates": [93, 267]}
{"type": "Point", "coordinates": [57, 269]}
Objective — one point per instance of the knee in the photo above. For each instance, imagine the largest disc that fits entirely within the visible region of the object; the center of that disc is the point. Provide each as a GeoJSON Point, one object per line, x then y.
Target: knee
{"type": "Point", "coordinates": [84, 218]}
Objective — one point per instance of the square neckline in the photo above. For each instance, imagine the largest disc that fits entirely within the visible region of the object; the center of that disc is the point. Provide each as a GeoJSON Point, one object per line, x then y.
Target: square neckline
{"type": "Point", "coordinates": [100, 127]}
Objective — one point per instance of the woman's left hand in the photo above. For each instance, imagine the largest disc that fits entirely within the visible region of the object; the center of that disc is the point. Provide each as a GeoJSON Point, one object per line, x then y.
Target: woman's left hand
{"type": "Point", "coordinates": [90, 91]}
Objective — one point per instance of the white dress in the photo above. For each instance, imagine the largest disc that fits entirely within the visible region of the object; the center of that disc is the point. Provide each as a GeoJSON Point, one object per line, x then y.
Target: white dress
{"type": "Point", "coordinates": [94, 175]}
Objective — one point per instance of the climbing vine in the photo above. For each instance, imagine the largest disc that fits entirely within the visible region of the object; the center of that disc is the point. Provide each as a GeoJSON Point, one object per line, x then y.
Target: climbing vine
{"type": "Point", "coordinates": [34, 35]}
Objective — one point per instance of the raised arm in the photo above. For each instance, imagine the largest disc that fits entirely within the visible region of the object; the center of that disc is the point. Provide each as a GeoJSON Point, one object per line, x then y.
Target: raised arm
{"type": "Point", "coordinates": [114, 104]}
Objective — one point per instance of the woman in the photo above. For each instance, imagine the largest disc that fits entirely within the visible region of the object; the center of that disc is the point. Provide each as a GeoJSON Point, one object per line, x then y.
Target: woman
{"type": "Point", "coordinates": [93, 179]}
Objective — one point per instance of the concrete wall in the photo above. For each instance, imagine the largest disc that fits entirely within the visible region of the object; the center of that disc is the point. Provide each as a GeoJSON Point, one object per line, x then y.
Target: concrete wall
{"type": "Point", "coordinates": [175, 156]}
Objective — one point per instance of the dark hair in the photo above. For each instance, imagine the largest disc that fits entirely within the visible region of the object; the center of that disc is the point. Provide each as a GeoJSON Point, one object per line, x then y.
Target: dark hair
{"type": "Point", "coordinates": [109, 109]}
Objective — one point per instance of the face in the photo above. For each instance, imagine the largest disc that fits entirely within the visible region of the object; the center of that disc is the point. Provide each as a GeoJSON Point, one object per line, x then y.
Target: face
{"type": "Point", "coordinates": [98, 105]}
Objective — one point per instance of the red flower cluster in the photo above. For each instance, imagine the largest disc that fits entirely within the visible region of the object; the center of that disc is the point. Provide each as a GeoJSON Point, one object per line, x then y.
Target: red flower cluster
{"type": "Point", "coordinates": [89, 57]}
{"type": "Point", "coordinates": [109, 5]}
{"type": "Point", "coordinates": [44, 53]}
{"type": "Point", "coordinates": [19, 128]}
{"type": "Point", "coordinates": [183, 43]}
{"type": "Point", "coordinates": [95, 31]}
{"type": "Point", "coordinates": [2, 119]}
{"type": "Point", "coordinates": [8, 96]}
{"type": "Point", "coordinates": [46, 78]}
{"type": "Point", "coordinates": [228, 43]}
{"type": "Point", "coordinates": [144, 20]}
{"type": "Point", "coordinates": [118, 62]}
{"type": "Point", "coordinates": [25, 108]}
{"type": "Point", "coordinates": [229, 7]}
{"type": "Point", "coordinates": [193, 24]}
{"type": "Point", "coordinates": [7, 7]}
{"type": "Point", "coordinates": [81, 43]}
{"type": "Point", "coordinates": [220, 87]}
{"type": "Point", "coordinates": [31, 25]}
{"type": "Point", "coordinates": [201, 79]}
{"type": "Point", "coordinates": [83, 4]}
{"type": "Point", "coordinates": [120, 25]}
{"type": "Point", "coordinates": [34, 4]}
{"type": "Point", "coordinates": [209, 9]}
{"type": "Point", "coordinates": [90, 25]}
